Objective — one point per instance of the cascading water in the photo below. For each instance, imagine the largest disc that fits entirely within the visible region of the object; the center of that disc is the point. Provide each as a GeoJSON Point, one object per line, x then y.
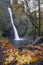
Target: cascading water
{"type": "Point", "coordinates": [11, 2]}
{"type": "Point", "coordinates": [16, 36]}
{"type": "Point", "coordinates": [16, 39]}
{"type": "Point", "coordinates": [15, 31]}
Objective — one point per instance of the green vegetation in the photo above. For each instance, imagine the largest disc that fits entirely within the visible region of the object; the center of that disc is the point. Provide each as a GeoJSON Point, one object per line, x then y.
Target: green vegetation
{"type": "Point", "coordinates": [24, 22]}
{"type": "Point", "coordinates": [1, 37]}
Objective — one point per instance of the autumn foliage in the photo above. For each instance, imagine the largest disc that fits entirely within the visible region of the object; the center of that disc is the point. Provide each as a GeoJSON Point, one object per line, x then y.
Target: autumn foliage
{"type": "Point", "coordinates": [12, 55]}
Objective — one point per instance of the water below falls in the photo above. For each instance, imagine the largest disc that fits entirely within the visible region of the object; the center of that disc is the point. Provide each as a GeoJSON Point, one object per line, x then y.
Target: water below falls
{"type": "Point", "coordinates": [16, 36]}
{"type": "Point", "coordinates": [17, 40]}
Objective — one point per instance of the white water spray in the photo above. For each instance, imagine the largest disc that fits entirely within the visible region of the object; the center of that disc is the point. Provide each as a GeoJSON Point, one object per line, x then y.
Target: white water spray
{"type": "Point", "coordinates": [16, 36]}
{"type": "Point", "coordinates": [15, 31]}
{"type": "Point", "coordinates": [11, 2]}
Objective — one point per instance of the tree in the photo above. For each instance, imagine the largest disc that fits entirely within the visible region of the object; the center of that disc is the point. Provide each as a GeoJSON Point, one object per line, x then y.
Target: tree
{"type": "Point", "coordinates": [29, 14]}
{"type": "Point", "coordinates": [39, 18]}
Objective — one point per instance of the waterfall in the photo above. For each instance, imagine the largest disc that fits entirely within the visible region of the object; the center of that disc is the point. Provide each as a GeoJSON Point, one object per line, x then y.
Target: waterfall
{"type": "Point", "coordinates": [15, 30]}
{"type": "Point", "coordinates": [11, 2]}
{"type": "Point", "coordinates": [16, 36]}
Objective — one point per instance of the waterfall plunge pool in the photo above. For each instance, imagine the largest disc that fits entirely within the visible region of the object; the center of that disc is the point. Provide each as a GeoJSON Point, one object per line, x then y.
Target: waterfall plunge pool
{"type": "Point", "coordinates": [22, 41]}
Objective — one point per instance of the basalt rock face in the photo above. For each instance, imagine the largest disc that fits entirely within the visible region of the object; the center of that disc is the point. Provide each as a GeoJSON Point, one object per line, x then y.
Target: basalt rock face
{"type": "Point", "coordinates": [5, 22]}
{"type": "Point", "coordinates": [21, 21]}
{"type": "Point", "coordinates": [23, 26]}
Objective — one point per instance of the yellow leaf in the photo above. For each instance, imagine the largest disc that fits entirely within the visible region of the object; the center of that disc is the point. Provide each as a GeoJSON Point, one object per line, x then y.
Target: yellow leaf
{"type": "Point", "coordinates": [16, 53]}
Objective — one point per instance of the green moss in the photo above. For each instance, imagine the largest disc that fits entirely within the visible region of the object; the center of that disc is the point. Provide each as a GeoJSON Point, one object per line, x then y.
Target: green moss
{"type": "Point", "coordinates": [3, 38]}
{"type": "Point", "coordinates": [1, 12]}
